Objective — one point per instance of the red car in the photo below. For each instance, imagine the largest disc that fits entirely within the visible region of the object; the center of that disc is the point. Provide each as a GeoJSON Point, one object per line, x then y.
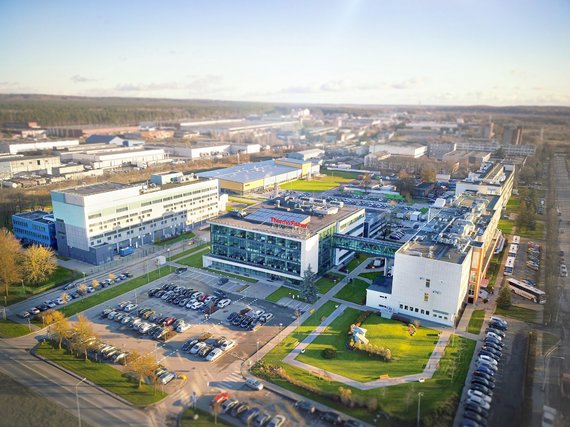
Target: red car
{"type": "Point", "coordinates": [203, 297]}
{"type": "Point", "coordinates": [169, 321]}
{"type": "Point", "coordinates": [219, 398]}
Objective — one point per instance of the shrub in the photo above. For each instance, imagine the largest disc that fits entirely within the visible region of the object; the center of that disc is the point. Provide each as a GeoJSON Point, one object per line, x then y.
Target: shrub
{"type": "Point", "coordinates": [328, 353]}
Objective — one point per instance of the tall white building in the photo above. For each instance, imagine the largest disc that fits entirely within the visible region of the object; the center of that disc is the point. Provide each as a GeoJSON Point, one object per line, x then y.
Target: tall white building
{"type": "Point", "coordinates": [94, 222]}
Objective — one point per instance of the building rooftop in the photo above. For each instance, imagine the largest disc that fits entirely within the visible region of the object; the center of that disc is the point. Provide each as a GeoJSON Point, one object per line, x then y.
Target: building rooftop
{"type": "Point", "coordinates": [90, 190]}
{"type": "Point", "coordinates": [39, 216]}
{"type": "Point", "coordinates": [248, 171]}
{"type": "Point", "coordinates": [267, 218]}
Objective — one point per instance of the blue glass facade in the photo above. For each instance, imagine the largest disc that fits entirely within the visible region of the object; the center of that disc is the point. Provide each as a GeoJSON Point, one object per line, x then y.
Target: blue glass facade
{"type": "Point", "coordinates": [35, 228]}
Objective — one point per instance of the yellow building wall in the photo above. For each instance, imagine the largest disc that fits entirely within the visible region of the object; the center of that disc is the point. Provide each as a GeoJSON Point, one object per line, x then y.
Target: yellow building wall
{"type": "Point", "coordinates": [305, 167]}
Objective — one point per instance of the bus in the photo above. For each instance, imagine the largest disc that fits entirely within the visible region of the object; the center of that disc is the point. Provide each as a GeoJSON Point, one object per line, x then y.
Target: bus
{"type": "Point", "coordinates": [516, 240]}
{"type": "Point", "coordinates": [527, 291]}
{"type": "Point", "coordinates": [513, 249]}
{"type": "Point", "coordinates": [509, 266]}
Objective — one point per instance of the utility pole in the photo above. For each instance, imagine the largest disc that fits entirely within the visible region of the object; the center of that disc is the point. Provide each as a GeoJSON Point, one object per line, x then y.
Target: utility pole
{"type": "Point", "coordinates": [420, 394]}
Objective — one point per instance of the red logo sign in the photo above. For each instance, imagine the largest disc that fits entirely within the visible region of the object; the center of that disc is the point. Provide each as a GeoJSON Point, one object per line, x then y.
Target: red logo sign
{"type": "Point", "coordinates": [289, 223]}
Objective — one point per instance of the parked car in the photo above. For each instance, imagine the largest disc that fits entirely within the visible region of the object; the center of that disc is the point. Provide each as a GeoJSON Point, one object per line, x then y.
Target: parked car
{"type": "Point", "coordinates": [277, 421]}
{"type": "Point", "coordinates": [224, 303]}
{"type": "Point", "coordinates": [229, 404]}
{"type": "Point", "coordinates": [228, 345]}
{"type": "Point", "coordinates": [261, 419]}
{"type": "Point", "coordinates": [214, 354]}
{"type": "Point", "coordinates": [331, 417]}
{"type": "Point", "coordinates": [479, 394]}
{"type": "Point", "coordinates": [305, 405]}
{"type": "Point", "coordinates": [197, 347]}
{"type": "Point", "coordinates": [239, 409]}
{"type": "Point", "coordinates": [231, 317]}
{"type": "Point", "coordinates": [166, 377]}
{"type": "Point", "coordinates": [254, 384]}
{"type": "Point", "coordinates": [204, 351]}
{"type": "Point", "coordinates": [249, 415]}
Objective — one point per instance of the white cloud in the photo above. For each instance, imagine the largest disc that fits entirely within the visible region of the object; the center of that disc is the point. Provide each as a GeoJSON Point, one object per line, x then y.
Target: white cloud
{"type": "Point", "coordinates": [81, 79]}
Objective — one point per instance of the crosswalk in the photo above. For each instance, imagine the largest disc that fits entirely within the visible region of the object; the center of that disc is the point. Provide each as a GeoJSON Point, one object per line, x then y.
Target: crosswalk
{"type": "Point", "coordinates": [234, 381]}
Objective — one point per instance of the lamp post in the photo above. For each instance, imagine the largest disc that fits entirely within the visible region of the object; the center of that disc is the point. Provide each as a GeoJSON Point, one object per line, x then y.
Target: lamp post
{"type": "Point", "coordinates": [77, 399]}
{"type": "Point", "coordinates": [257, 352]}
{"type": "Point", "coordinates": [168, 259]}
{"type": "Point", "coordinates": [420, 394]}
{"type": "Point", "coordinates": [23, 288]}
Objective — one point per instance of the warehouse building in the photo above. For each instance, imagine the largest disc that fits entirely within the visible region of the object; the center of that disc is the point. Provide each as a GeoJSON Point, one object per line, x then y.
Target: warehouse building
{"type": "Point", "coordinates": [113, 157]}
{"type": "Point", "coordinates": [281, 240]}
{"type": "Point", "coordinates": [261, 176]}
{"type": "Point", "coordinates": [13, 147]}
{"type": "Point", "coordinates": [94, 222]}
{"type": "Point", "coordinates": [13, 165]}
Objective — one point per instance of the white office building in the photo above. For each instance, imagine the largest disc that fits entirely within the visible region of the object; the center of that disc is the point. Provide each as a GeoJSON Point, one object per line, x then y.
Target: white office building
{"type": "Point", "coordinates": [94, 222]}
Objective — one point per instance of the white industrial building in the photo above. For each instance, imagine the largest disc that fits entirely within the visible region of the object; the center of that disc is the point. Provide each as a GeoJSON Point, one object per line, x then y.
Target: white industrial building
{"type": "Point", "coordinates": [18, 164]}
{"type": "Point", "coordinates": [14, 147]}
{"type": "Point", "coordinates": [443, 265]}
{"type": "Point", "coordinates": [210, 150]}
{"type": "Point", "coordinates": [491, 179]}
{"type": "Point", "coordinates": [400, 149]}
{"type": "Point", "coordinates": [114, 157]}
{"type": "Point", "coordinates": [94, 222]}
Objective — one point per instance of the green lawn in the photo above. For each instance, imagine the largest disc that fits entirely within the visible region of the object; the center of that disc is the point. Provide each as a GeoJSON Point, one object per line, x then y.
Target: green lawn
{"type": "Point", "coordinates": [506, 226]}
{"type": "Point", "coordinates": [103, 375]}
{"type": "Point", "coordinates": [325, 284]}
{"type": "Point", "coordinates": [283, 292]}
{"type": "Point", "coordinates": [205, 419]}
{"type": "Point", "coordinates": [494, 268]}
{"type": "Point", "coordinates": [537, 233]}
{"type": "Point", "coordinates": [114, 291]}
{"type": "Point", "coordinates": [410, 353]}
{"type": "Point", "coordinates": [514, 202]}
{"type": "Point", "coordinates": [373, 275]}
{"type": "Point", "coordinates": [316, 184]}
{"type": "Point", "coordinates": [184, 236]}
{"type": "Point", "coordinates": [195, 260]}
{"type": "Point", "coordinates": [516, 312]}
{"type": "Point", "coordinates": [342, 174]}
{"type": "Point", "coordinates": [189, 251]}
{"type": "Point", "coordinates": [400, 401]}
{"type": "Point", "coordinates": [60, 276]}
{"type": "Point", "coordinates": [10, 329]}
{"type": "Point", "coordinates": [476, 321]}
{"type": "Point", "coordinates": [356, 261]}
{"type": "Point", "coordinates": [354, 292]}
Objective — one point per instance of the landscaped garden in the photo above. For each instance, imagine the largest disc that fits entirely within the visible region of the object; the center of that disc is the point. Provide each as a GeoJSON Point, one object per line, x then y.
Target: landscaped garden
{"type": "Point", "coordinates": [440, 394]}
{"type": "Point", "coordinates": [327, 282]}
{"type": "Point", "coordinates": [356, 261]}
{"type": "Point", "coordinates": [176, 239]}
{"type": "Point", "coordinates": [315, 184]}
{"type": "Point", "coordinates": [354, 292]}
{"type": "Point", "coordinates": [283, 292]}
{"type": "Point", "coordinates": [409, 353]}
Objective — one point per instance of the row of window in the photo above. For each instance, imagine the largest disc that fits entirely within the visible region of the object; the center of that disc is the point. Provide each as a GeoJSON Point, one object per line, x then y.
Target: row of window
{"type": "Point", "coordinates": [421, 311]}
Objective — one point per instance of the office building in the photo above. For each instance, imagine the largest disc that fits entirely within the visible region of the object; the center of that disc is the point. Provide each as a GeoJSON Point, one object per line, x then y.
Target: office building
{"type": "Point", "coordinates": [94, 222]}
{"type": "Point", "coordinates": [35, 228]}
{"type": "Point", "coordinates": [280, 241]}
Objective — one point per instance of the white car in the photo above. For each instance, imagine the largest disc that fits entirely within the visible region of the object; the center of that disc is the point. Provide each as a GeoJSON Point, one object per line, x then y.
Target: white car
{"type": "Point", "coordinates": [479, 394]}
{"type": "Point", "coordinates": [257, 313]}
{"type": "Point", "coordinates": [224, 303]}
{"type": "Point", "coordinates": [254, 384]}
{"type": "Point", "coordinates": [214, 354]}
{"type": "Point", "coordinates": [493, 335]}
{"type": "Point", "coordinates": [208, 299]}
{"type": "Point", "coordinates": [487, 359]}
{"type": "Point", "coordinates": [126, 320]}
{"type": "Point", "coordinates": [143, 329]}
{"type": "Point", "coordinates": [60, 301]}
{"type": "Point", "coordinates": [34, 310]}
{"type": "Point", "coordinates": [228, 345]}
{"type": "Point", "coordinates": [197, 305]}
{"type": "Point", "coordinates": [183, 327]}
{"type": "Point", "coordinates": [197, 347]}
{"type": "Point", "coordinates": [90, 289]}
{"type": "Point", "coordinates": [167, 377]}
{"type": "Point", "coordinates": [130, 307]}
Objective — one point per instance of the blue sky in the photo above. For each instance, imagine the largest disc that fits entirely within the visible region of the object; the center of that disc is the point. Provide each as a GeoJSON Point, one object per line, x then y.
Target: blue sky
{"type": "Point", "coordinates": [501, 52]}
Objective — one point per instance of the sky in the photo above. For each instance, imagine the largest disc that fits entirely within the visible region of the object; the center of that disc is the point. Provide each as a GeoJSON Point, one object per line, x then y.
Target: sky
{"type": "Point", "coordinates": [445, 52]}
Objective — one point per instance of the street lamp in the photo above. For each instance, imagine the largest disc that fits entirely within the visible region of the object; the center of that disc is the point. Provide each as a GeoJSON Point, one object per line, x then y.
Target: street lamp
{"type": "Point", "coordinates": [77, 399]}
{"type": "Point", "coordinates": [23, 288]}
{"type": "Point", "coordinates": [420, 394]}
{"type": "Point", "coordinates": [257, 351]}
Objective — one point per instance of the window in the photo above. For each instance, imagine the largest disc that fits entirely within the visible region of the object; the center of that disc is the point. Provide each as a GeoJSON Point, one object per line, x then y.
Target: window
{"type": "Point", "coordinates": [428, 282]}
{"type": "Point", "coordinates": [405, 307]}
{"type": "Point", "coordinates": [416, 310]}
{"type": "Point", "coordinates": [401, 306]}
{"type": "Point", "coordinates": [422, 311]}
{"type": "Point", "coordinates": [426, 296]}
{"type": "Point", "coordinates": [427, 312]}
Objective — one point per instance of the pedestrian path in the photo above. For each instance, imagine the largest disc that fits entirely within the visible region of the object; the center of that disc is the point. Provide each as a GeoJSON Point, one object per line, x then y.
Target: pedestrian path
{"type": "Point", "coordinates": [294, 304]}
{"type": "Point", "coordinates": [233, 381]}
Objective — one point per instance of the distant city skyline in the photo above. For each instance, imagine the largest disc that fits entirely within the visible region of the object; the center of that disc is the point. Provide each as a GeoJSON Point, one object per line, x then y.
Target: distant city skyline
{"type": "Point", "coordinates": [448, 52]}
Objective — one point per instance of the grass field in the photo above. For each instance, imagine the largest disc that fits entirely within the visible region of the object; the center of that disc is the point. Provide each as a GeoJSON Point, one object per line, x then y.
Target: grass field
{"type": "Point", "coordinates": [283, 292]}
{"type": "Point", "coordinates": [400, 401]}
{"type": "Point", "coordinates": [205, 419]}
{"type": "Point", "coordinates": [537, 233]}
{"type": "Point", "coordinates": [103, 375]}
{"type": "Point", "coordinates": [112, 292]}
{"type": "Point", "coordinates": [356, 261]}
{"type": "Point", "coordinates": [514, 202]}
{"type": "Point", "coordinates": [60, 276]}
{"type": "Point", "coordinates": [494, 268]}
{"type": "Point", "coordinates": [373, 275]}
{"type": "Point", "coordinates": [189, 251]}
{"type": "Point", "coordinates": [10, 329]}
{"type": "Point", "coordinates": [316, 184]}
{"type": "Point", "coordinates": [516, 312]}
{"type": "Point", "coordinates": [342, 174]}
{"type": "Point", "coordinates": [410, 353]}
{"type": "Point", "coordinates": [506, 226]}
{"type": "Point", "coordinates": [476, 321]}
{"type": "Point", "coordinates": [184, 236]}
{"type": "Point", "coordinates": [325, 284]}
{"type": "Point", "coordinates": [354, 292]}
{"type": "Point", "coordinates": [195, 260]}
